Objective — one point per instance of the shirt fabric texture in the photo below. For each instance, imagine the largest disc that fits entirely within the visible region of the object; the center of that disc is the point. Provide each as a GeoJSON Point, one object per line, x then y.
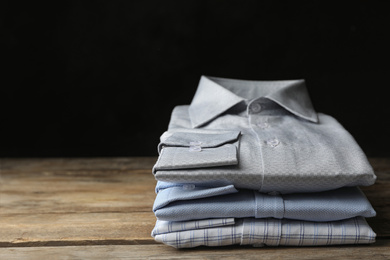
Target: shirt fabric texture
{"type": "Point", "coordinates": [185, 203]}
{"type": "Point", "coordinates": [252, 163]}
{"type": "Point", "coordinates": [259, 135]}
{"type": "Point", "coordinates": [261, 232]}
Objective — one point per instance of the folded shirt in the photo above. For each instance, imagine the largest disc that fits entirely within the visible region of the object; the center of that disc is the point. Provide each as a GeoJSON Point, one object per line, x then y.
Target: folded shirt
{"type": "Point", "coordinates": [261, 232]}
{"type": "Point", "coordinates": [259, 135]}
{"type": "Point", "coordinates": [186, 202]}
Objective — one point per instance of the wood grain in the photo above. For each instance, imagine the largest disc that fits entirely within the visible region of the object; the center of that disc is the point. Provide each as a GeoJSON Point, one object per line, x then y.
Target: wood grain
{"type": "Point", "coordinates": [100, 207]}
{"type": "Point", "coordinates": [76, 201]}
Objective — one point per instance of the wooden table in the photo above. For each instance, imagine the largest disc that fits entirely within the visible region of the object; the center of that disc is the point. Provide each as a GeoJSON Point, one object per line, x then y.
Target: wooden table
{"type": "Point", "coordinates": [101, 208]}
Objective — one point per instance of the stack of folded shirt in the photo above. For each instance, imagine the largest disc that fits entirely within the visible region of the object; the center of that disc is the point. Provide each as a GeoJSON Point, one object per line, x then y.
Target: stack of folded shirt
{"type": "Point", "coordinates": [252, 163]}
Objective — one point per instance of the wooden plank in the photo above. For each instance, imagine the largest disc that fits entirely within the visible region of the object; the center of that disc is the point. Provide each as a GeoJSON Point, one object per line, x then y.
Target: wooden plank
{"type": "Point", "coordinates": [379, 250]}
{"type": "Point", "coordinates": [76, 191]}
{"type": "Point", "coordinates": [63, 229]}
{"type": "Point", "coordinates": [106, 201]}
{"type": "Point", "coordinates": [76, 201]}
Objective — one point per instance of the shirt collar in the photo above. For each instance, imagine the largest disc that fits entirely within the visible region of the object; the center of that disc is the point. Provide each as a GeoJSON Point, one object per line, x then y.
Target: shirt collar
{"type": "Point", "coordinates": [216, 95]}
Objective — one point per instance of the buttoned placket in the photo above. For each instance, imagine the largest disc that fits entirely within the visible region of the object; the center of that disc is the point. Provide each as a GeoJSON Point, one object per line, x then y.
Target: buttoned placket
{"type": "Point", "coordinates": [259, 124]}
{"type": "Point", "coordinates": [254, 107]}
{"type": "Point", "coordinates": [260, 127]}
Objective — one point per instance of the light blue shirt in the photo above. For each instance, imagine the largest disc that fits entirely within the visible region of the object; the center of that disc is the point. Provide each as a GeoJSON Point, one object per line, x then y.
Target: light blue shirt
{"type": "Point", "coordinates": [176, 202]}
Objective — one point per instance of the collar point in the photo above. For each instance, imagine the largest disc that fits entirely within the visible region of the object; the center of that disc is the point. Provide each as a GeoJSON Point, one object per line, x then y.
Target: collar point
{"type": "Point", "coordinates": [313, 118]}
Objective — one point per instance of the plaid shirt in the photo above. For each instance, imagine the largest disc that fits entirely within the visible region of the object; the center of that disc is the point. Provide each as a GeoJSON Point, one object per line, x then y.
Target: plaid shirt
{"type": "Point", "coordinates": [261, 232]}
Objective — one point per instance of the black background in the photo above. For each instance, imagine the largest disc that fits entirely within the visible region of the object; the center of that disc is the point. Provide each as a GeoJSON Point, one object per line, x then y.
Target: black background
{"type": "Point", "coordinates": [100, 78]}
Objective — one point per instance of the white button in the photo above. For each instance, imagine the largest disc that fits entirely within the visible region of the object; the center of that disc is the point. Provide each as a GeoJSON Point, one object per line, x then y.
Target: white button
{"type": "Point", "coordinates": [195, 146]}
{"type": "Point", "coordinates": [188, 186]}
{"type": "Point", "coordinates": [263, 125]}
{"type": "Point", "coordinates": [255, 107]}
{"type": "Point", "coordinates": [272, 142]}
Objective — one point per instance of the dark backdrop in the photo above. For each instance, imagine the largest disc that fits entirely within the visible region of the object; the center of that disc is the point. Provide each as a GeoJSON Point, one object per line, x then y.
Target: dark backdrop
{"type": "Point", "coordinates": [100, 78]}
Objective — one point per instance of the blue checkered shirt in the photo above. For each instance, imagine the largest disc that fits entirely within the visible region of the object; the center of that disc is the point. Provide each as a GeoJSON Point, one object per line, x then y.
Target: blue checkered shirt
{"type": "Point", "coordinates": [262, 232]}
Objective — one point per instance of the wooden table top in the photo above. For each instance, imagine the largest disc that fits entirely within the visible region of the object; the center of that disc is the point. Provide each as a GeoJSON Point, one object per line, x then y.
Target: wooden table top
{"type": "Point", "coordinates": [101, 208]}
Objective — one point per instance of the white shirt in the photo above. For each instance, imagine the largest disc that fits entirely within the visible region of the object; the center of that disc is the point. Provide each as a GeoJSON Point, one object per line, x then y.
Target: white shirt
{"type": "Point", "coordinates": [260, 135]}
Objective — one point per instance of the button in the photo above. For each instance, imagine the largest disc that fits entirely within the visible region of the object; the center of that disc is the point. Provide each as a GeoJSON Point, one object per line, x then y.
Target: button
{"type": "Point", "coordinates": [255, 107]}
{"type": "Point", "coordinates": [195, 146]}
{"type": "Point", "coordinates": [263, 125]}
{"type": "Point", "coordinates": [272, 142]}
{"type": "Point", "coordinates": [188, 186]}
